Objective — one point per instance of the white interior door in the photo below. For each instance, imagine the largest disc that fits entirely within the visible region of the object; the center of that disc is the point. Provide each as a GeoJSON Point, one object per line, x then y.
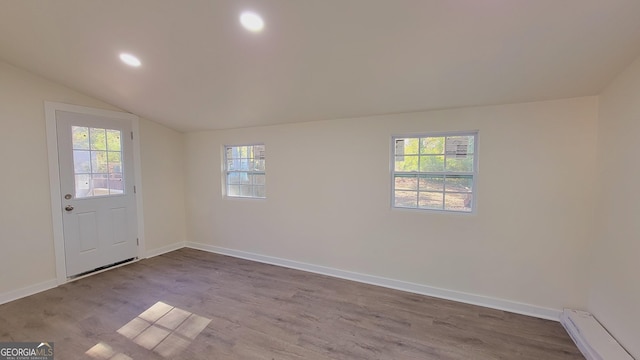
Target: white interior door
{"type": "Point", "coordinates": [95, 157]}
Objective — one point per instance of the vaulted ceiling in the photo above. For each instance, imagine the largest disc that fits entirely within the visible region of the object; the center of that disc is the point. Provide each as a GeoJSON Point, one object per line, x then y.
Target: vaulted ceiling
{"type": "Point", "coordinates": [319, 59]}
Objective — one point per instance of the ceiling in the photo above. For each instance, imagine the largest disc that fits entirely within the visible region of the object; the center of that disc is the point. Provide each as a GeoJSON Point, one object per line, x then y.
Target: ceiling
{"type": "Point", "coordinates": [319, 59]}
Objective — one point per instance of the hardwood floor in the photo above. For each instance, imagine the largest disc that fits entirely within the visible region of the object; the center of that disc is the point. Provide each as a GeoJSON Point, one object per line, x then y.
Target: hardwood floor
{"type": "Point", "coordinates": [190, 304]}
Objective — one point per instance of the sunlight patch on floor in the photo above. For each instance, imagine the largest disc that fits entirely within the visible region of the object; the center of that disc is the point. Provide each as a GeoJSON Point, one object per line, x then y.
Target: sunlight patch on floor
{"type": "Point", "coordinates": [104, 351]}
{"type": "Point", "coordinates": [164, 329]}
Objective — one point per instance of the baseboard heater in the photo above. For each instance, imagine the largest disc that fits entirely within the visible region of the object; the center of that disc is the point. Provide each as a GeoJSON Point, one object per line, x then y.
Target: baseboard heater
{"type": "Point", "coordinates": [591, 337]}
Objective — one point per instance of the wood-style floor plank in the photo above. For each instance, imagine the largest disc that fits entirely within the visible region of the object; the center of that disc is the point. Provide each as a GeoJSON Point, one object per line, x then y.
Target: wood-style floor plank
{"type": "Point", "coordinates": [190, 304]}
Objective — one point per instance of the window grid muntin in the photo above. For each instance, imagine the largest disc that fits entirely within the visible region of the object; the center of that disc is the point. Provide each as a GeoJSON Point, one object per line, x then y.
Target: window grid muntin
{"type": "Point", "coordinates": [248, 155]}
{"type": "Point", "coordinates": [422, 140]}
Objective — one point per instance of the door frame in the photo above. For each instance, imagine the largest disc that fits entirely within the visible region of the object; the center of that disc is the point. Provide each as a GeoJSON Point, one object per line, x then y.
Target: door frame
{"type": "Point", "coordinates": [50, 109]}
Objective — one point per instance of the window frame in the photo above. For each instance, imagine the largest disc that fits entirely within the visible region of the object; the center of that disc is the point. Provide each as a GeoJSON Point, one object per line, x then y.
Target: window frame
{"type": "Point", "coordinates": [226, 172]}
{"type": "Point", "coordinates": [473, 173]}
{"type": "Point", "coordinates": [108, 175]}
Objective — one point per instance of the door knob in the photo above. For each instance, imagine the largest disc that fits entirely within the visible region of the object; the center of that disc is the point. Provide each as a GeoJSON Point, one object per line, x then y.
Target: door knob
{"type": "Point", "coordinates": [68, 208]}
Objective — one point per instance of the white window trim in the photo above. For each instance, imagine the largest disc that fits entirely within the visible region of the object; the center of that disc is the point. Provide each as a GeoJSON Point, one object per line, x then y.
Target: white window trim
{"type": "Point", "coordinates": [474, 173]}
{"type": "Point", "coordinates": [225, 186]}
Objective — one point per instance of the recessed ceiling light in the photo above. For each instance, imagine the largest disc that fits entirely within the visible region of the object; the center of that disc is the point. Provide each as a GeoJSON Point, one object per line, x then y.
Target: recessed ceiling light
{"type": "Point", "coordinates": [130, 60]}
{"type": "Point", "coordinates": [252, 21]}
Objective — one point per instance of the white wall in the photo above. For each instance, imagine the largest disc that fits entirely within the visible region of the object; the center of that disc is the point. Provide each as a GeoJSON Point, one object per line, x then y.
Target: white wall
{"type": "Point", "coordinates": [614, 298]}
{"type": "Point", "coordinates": [328, 198]}
{"type": "Point", "coordinates": [162, 155]}
{"type": "Point", "coordinates": [328, 189]}
{"type": "Point", "coordinates": [26, 239]}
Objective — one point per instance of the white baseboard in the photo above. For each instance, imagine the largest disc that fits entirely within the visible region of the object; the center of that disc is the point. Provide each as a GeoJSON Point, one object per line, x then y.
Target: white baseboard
{"type": "Point", "coordinates": [164, 249]}
{"type": "Point", "coordinates": [29, 290]}
{"type": "Point", "coordinates": [499, 304]}
{"type": "Point", "coordinates": [591, 337]}
{"type": "Point", "coordinates": [34, 289]}
{"type": "Point", "coordinates": [493, 303]}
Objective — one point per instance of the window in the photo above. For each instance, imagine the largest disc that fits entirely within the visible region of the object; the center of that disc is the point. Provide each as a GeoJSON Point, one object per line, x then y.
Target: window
{"type": "Point", "coordinates": [245, 171]}
{"type": "Point", "coordinates": [97, 161]}
{"type": "Point", "coordinates": [435, 172]}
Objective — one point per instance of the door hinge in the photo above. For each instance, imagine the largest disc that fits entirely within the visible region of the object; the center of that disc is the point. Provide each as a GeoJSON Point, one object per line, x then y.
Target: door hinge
{"type": "Point", "coordinates": [132, 135]}
{"type": "Point", "coordinates": [138, 241]}
{"type": "Point", "coordinates": [134, 189]}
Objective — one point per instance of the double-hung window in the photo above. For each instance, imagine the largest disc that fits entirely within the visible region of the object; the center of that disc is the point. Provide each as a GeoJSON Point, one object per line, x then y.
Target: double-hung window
{"type": "Point", "coordinates": [245, 171]}
{"type": "Point", "coordinates": [435, 172]}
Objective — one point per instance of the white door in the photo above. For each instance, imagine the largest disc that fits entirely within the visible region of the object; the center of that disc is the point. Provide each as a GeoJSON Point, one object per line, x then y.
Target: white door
{"type": "Point", "coordinates": [95, 157]}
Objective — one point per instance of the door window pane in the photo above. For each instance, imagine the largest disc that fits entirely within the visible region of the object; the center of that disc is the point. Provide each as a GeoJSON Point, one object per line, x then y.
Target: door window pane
{"type": "Point", "coordinates": [114, 160]}
{"type": "Point", "coordinates": [80, 136]}
{"type": "Point", "coordinates": [115, 184]}
{"type": "Point", "coordinates": [98, 138]}
{"type": "Point", "coordinates": [99, 185]}
{"type": "Point", "coordinates": [97, 161]}
{"type": "Point", "coordinates": [81, 161]}
{"type": "Point", "coordinates": [83, 184]}
{"type": "Point", "coordinates": [113, 140]}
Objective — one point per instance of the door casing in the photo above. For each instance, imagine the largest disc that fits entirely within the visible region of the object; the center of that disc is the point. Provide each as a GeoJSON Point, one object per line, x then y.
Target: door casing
{"type": "Point", "coordinates": [54, 176]}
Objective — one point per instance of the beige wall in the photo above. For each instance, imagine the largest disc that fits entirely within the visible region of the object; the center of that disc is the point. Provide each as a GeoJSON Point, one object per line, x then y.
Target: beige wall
{"type": "Point", "coordinates": [615, 285]}
{"type": "Point", "coordinates": [328, 198]}
{"type": "Point", "coordinates": [26, 239]}
{"type": "Point", "coordinates": [162, 156]}
{"type": "Point", "coordinates": [328, 189]}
